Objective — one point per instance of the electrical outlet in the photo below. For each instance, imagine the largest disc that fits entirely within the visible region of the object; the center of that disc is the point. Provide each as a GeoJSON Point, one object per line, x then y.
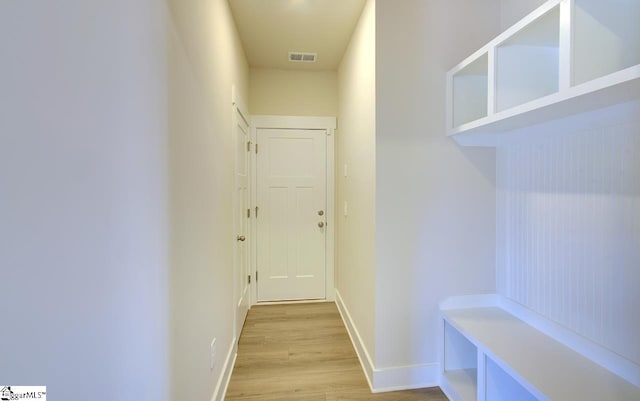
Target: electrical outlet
{"type": "Point", "coordinates": [213, 353]}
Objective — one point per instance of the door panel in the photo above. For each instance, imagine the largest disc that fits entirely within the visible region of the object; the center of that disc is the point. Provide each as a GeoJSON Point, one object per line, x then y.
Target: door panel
{"type": "Point", "coordinates": [241, 219]}
{"type": "Point", "coordinates": [291, 247]}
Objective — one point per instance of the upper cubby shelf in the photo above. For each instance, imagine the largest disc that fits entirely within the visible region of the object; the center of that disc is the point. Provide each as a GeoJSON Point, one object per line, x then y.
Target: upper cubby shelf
{"type": "Point", "coordinates": [565, 58]}
{"type": "Point", "coordinates": [470, 91]}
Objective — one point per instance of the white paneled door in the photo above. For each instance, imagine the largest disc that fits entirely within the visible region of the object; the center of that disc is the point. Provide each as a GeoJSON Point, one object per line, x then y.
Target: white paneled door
{"type": "Point", "coordinates": [291, 221]}
{"type": "Point", "coordinates": [241, 217]}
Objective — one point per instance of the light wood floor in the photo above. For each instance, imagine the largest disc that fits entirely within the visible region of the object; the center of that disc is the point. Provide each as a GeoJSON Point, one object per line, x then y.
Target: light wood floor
{"type": "Point", "coordinates": [303, 352]}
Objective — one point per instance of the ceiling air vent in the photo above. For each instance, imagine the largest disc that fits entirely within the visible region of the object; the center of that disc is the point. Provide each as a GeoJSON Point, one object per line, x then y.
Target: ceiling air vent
{"type": "Point", "coordinates": [298, 57]}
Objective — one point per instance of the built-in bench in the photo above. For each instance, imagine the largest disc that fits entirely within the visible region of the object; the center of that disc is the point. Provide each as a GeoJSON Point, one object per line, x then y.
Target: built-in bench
{"type": "Point", "coordinates": [491, 355]}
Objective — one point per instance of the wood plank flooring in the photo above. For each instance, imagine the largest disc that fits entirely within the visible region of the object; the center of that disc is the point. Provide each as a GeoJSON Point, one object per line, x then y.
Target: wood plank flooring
{"type": "Point", "coordinates": [303, 352]}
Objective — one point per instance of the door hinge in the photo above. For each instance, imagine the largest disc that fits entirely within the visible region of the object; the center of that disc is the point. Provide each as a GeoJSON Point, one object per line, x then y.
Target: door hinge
{"type": "Point", "coordinates": [248, 213]}
{"type": "Point", "coordinates": [257, 212]}
{"type": "Point", "coordinates": [249, 278]}
{"type": "Point", "coordinates": [248, 146]}
{"type": "Point", "coordinates": [256, 148]}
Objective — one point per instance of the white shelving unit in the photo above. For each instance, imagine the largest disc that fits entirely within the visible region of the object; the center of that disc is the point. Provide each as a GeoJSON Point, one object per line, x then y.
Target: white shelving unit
{"type": "Point", "coordinates": [606, 37]}
{"type": "Point", "coordinates": [491, 355]}
{"type": "Point", "coordinates": [565, 58]}
{"type": "Point", "coordinates": [460, 364]}
{"type": "Point", "coordinates": [470, 86]}
{"type": "Point", "coordinates": [501, 386]}
{"type": "Point", "coordinates": [528, 62]}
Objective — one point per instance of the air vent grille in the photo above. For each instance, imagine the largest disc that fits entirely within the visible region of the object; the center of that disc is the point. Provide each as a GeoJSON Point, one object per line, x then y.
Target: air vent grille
{"type": "Point", "coordinates": [299, 57]}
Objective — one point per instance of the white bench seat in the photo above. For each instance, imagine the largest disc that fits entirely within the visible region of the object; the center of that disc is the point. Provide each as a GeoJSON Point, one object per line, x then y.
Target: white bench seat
{"type": "Point", "coordinates": [547, 369]}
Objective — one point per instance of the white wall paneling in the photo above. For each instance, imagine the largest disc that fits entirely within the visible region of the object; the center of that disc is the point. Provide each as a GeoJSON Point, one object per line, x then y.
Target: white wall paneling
{"type": "Point", "coordinates": [572, 230]}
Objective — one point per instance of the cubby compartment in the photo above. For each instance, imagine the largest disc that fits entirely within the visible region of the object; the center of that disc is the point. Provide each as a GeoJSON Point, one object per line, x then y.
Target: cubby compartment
{"type": "Point", "coordinates": [460, 364]}
{"type": "Point", "coordinates": [566, 58]}
{"type": "Point", "coordinates": [606, 37]}
{"type": "Point", "coordinates": [527, 63]}
{"type": "Point", "coordinates": [501, 386]}
{"type": "Point", "coordinates": [470, 91]}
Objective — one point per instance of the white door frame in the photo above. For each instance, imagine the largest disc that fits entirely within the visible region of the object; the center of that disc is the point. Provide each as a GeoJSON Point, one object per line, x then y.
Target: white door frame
{"type": "Point", "coordinates": [291, 122]}
{"type": "Point", "coordinates": [238, 105]}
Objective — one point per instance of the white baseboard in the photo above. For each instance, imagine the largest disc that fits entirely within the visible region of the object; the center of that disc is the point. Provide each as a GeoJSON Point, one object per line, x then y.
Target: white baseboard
{"type": "Point", "coordinates": [356, 340]}
{"type": "Point", "coordinates": [302, 301]}
{"type": "Point", "coordinates": [392, 378]}
{"type": "Point", "coordinates": [223, 381]}
{"type": "Point", "coordinates": [410, 377]}
{"type": "Point", "coordinates": [448, 390]}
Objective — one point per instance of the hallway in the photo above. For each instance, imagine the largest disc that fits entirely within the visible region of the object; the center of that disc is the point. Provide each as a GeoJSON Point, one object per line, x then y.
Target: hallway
{"type": "Point", "coordinates": [303, 352]}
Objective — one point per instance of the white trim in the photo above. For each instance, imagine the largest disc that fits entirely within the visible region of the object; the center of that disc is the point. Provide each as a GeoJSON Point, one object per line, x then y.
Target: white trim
{"type": "Point", "coordinates": [449, 125]}
{"type": "Point", "coordinates": [482, 376]}
{"type": "Point", "coordinates": [409, 377]}
{"type": "Point", "coordinates": [492, 82]}
{"type": "Point", "coordinates": [237, 101]}
{"type": "Point", "coordinates": [253, 293]}
{"type": "Point", "coordinates": [294, 122]}
{"type": "Point", "coordinates": [238, 109]}
{"type": "Point", "coordinates": [330, 288]}
{"type": "Point", "coordinates": [395, 378]}
{"type": "Point", "coordinates": [448, 391]}
{"type": "Point", "coordinates": [565, 77]}
{"type": "Point", "coordinates": [303, 301]}
{"type": "Point", "coordinates": [356, 340]}
{"type": "Point", "coordinates": [223, 381]}
{"type": "Point", "coordinates": [309, 123]}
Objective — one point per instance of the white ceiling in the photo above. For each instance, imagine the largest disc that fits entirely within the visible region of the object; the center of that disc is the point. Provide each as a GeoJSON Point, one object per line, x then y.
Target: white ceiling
{"type": "Point", "coordinates": [270, 29]}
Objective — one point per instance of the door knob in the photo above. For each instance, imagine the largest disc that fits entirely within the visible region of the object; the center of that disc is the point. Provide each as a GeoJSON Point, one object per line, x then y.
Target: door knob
{"type": "Point", "coordinates": [321, 224]}
{"type": "Point", "coordinates": [241, 238]}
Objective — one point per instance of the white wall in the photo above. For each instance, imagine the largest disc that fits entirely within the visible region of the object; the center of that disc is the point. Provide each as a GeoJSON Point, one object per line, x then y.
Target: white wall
{"type": "Point", "coordinates": [355, 144]}
{"type": "Point", "coordinates": [293, 93]}
{"type": "Point", "coordinates": [115, 156]}
{"type": "Point", "coordinates": [206, 58]}
{"type": "Point", "coordinates": [435, 201]}
{"type": "Point", "coordinates": [570, 222]}
{"type": "Point", "coordinates": [83, 198]}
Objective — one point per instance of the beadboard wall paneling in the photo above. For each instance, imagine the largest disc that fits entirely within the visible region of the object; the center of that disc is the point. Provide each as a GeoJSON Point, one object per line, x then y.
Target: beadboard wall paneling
{"type": "Point", "coordinates": [571, 230]}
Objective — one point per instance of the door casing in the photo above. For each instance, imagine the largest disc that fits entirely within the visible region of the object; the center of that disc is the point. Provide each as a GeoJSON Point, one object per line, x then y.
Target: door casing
{"type": "Point", "coordinates": [295, 122]}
